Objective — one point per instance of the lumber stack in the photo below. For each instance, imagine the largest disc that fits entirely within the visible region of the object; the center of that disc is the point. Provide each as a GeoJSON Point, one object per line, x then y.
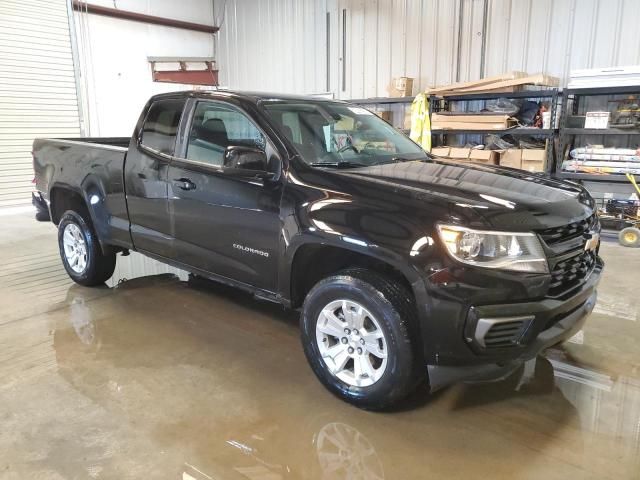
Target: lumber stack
{"type": "Point", "coordinates": [505, 83]}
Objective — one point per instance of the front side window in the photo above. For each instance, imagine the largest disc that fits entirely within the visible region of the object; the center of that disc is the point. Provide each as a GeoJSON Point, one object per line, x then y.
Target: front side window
{"type": "Point", "coordinates": [161, 125]}
{"type": "Point", "coordinates": [330, 132]}
{"type": "Point", "coordinates": [217, 126]}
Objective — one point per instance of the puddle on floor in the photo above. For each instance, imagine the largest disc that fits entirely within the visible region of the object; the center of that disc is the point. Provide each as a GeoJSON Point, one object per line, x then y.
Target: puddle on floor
{"type": "Point", "coordinates": [156, 376]}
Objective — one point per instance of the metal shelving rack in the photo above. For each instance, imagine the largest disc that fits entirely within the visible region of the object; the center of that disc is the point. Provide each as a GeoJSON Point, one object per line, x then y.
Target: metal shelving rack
{"type": "Point", "coordinates": [567, 137]}
{"type": "Point", "coordinates": [442, 103]}
{"type": "Point", "coordinates": [381, 100]}
{"type": "Point", "coordinates": [390, 101]}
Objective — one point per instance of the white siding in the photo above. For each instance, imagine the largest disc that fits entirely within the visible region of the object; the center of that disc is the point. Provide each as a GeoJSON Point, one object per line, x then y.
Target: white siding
{"type": "Point", "coordinates": [279, 45]}
{"type": "Point", "coordinates": [273, 45]}
{"type": "Point", "coordinates": [115, 73]}
{"type": "Point", "coordinates": [37, 88]}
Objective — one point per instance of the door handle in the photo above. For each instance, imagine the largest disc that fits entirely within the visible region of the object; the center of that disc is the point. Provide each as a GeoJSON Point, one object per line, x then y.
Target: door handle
{"type": "Point", "coordinates": [184, 184]}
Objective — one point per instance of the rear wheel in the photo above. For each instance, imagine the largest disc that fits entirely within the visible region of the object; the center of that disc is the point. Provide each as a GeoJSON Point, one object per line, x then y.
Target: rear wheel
{"type": "Point", "coordinates": [629, 237]}
{"type": "Point", "coordinates": [360, 338]}
{"type": "Point", "coordinates": [80, 251]}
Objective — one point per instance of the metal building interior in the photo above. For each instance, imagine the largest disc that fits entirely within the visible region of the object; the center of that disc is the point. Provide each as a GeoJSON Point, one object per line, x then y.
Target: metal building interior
{"type": "Point", "coordinates": [433, 189]}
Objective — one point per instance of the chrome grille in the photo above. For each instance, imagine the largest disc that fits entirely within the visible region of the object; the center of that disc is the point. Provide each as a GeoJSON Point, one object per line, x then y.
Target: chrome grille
{"type": "Point", "coordinates": [555, 235]}
{"type": "Point", "coordinates": [571, 272]}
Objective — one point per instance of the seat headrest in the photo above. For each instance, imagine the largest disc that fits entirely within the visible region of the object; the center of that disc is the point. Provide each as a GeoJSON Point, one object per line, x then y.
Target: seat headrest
{"type": "Point", "coordinates": [214, 131]}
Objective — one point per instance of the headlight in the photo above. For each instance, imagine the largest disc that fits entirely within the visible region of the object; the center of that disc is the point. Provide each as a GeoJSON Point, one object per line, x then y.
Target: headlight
{"type": "Point", "coordinates": [521, 252]}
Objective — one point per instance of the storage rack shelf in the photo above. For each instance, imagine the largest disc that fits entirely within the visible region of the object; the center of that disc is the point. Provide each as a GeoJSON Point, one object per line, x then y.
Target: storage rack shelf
{"type": "Point", "coordinates": [546, 93]}
{"type": "Point", "coordinates": [600, 131]}
{"type": "Point", "coordinates": [506, 131]}
{"type": "Point", "coordinates": [381, 100]}
{"type": "Point", "coordinates": [396, 105]}
{"type": "Point", "coordinates": [574, 101]}
{"type": "Point", "coordinates": [442, 103]}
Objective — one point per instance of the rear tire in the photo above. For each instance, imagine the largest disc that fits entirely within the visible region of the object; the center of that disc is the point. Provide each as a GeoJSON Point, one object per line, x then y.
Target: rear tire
{"type": "Point", "coordinates": [629, 237]}
{"type": "Point", "coordinates": [80, 251]}
{"type": "Point", "coordinates": [371, 356]}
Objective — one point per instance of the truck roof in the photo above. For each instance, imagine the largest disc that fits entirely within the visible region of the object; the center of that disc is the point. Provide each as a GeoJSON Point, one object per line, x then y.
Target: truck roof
{"type": "Point", "coordinates": [254, 97]}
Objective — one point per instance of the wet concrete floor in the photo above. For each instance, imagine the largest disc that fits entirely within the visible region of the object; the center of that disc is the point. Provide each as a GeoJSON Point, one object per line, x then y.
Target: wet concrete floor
{"type": "Point", "coordinates": [157, 377]}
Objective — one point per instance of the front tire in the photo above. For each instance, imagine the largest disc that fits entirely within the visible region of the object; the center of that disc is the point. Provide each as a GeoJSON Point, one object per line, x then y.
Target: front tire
{"type": "Point", "coordinates": [359, 334]}
{"type": "Point", "coordinates": [80, 251]}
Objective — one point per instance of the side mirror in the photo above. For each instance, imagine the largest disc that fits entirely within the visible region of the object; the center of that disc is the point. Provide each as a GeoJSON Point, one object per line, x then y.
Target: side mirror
{"type": "Point", "coordinates": [245, 162]}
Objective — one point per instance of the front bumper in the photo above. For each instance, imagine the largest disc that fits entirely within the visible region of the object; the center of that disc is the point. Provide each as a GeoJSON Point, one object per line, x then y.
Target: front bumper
{"type": "Point", "coordinates": [548, 322]}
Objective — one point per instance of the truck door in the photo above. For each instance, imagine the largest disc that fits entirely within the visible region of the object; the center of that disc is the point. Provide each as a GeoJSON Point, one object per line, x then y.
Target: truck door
{"type": "Point", "coordinates": [221, 224]}
{"type": "Point", "coordinates": [146, 170]}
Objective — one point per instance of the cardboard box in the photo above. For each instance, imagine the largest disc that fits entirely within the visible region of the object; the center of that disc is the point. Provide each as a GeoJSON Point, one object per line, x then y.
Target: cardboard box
{"type": "Point", "coordinates": [385, 115]}
{"type": "Point", "coordinates": [488, 157]}
{"type": "Point", "coordinates": [459, 153]}
{"type": "Point", "coordinates": [533, 160]}
{"type": "Point", "coordinates": [511, 158]}
{"type": "Point", "coordinates": [440, 151]}
{"type": "Point", "coordinates": [401, 87]}
{"type": "Point", "coordinates": [469, 117]}
{"type": "Point", "coordinates": [470, 122]}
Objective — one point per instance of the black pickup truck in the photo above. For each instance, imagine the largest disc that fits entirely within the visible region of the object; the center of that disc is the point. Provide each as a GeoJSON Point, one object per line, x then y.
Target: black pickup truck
{"type": "Point", "coordinates": [404, 267]}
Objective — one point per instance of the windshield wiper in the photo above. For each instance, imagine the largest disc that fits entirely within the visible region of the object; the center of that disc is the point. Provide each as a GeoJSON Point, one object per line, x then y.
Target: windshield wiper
{"type": "Point", "coordinates": [340, 164]}
{"type": "Point", "coordinates": [397, 160]}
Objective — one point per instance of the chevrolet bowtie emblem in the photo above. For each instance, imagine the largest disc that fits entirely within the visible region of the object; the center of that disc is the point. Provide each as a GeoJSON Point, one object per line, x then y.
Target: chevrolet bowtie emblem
{"type": "Point", "coordinates": [593, 239]}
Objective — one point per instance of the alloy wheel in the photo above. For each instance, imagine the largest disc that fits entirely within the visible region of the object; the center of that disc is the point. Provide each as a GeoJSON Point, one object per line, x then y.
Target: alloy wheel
{"type": "Point", "coordinates": [75, 248]}
{"type": "Point", "coordinates": [351, 343]}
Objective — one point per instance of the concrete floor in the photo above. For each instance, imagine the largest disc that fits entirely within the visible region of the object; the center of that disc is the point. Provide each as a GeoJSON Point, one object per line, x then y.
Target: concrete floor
{"type": "Point", "coordinates": [152, 377]}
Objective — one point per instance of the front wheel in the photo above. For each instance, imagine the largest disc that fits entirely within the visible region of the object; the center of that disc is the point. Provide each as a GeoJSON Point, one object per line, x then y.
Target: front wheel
{"type": "Point", "coordinates": [80, 251]}
{"type": "Point", "coordinates": [360, 337]}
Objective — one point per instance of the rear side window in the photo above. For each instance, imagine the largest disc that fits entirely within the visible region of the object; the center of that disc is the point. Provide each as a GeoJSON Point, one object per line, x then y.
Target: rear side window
{"type": "Point", "coordinates": [161, 125]}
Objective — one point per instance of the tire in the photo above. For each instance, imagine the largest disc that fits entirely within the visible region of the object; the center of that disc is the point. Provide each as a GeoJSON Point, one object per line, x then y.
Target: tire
{"type": "Point", "coordinates": [95, 268]}
{"type": "Point", "coordinates": [629, 237]}
{"type": "Point", "coordinates": [388, 311]}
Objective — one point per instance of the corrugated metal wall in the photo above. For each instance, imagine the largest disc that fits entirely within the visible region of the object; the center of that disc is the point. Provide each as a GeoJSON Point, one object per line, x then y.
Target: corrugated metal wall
{"type": "Point", "coordinates": [37, 88]}
{"type": "Point", "coordinates": [276, 45]}
{"type": "Point", "coordinates": [561, 35]}
{"type": "Point", "coordinates": [281, 45]}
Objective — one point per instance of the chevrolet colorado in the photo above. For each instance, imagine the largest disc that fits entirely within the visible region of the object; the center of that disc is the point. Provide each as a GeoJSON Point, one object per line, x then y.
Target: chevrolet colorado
{"type": "Point", "coordinates": [404, 267]}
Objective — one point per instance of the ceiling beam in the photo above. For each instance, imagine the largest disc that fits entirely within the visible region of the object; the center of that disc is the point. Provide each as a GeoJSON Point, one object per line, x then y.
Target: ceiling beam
{"type": "Point", "coordinates": [84, 7]}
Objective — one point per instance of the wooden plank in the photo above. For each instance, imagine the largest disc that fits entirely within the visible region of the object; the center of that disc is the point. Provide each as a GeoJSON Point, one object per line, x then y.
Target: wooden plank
{"type": "Point", "coordinates": [476, 83]}
{"type": "Point", "coordinates": [540, 80]}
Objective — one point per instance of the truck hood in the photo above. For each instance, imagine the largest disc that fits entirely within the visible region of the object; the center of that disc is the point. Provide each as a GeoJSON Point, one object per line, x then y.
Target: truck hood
{"type": "Point", "coordinates": [478, 195]}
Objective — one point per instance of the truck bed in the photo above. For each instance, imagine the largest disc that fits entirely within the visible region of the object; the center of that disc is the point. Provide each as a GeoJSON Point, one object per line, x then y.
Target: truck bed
{"type": "Point", "coordinates": [92, 167]}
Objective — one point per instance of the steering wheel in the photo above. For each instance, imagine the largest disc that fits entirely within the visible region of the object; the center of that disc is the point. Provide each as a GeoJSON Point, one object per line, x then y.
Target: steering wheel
{"type": "Point", "coordinates": [346, 147]}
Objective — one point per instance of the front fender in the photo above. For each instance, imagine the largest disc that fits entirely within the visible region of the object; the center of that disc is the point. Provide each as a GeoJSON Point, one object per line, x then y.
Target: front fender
{"type": "Point", "coordinates": [355, 245]}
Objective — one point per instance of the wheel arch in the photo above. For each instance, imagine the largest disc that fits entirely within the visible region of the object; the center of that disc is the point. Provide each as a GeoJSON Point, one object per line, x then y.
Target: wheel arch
{"type": "Point", "coordinates": [310, 260]}
{"type": "Point", "coordinates": [89, 200]}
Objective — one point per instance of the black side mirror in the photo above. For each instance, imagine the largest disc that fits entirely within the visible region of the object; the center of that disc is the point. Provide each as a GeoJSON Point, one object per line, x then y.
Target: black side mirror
{"type": "Point", "coordinates": [245, 162]}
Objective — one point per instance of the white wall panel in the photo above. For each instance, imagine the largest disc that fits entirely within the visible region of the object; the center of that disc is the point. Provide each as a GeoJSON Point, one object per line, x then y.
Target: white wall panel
{"type": "Point", "coordinates": [115, 72]}
{"type": "Point", "coordinates": [37, 88]}
{"type": "Point", "coordinates": [557, 36]}
{"type": "Point", "coordinates": [273, 45]}
{"type": "Point", "coordinates": [434, 41]}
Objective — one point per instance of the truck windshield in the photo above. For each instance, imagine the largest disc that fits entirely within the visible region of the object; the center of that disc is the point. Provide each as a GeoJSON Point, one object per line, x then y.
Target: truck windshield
{"type": "Point", "coordinates": [337, 134]}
